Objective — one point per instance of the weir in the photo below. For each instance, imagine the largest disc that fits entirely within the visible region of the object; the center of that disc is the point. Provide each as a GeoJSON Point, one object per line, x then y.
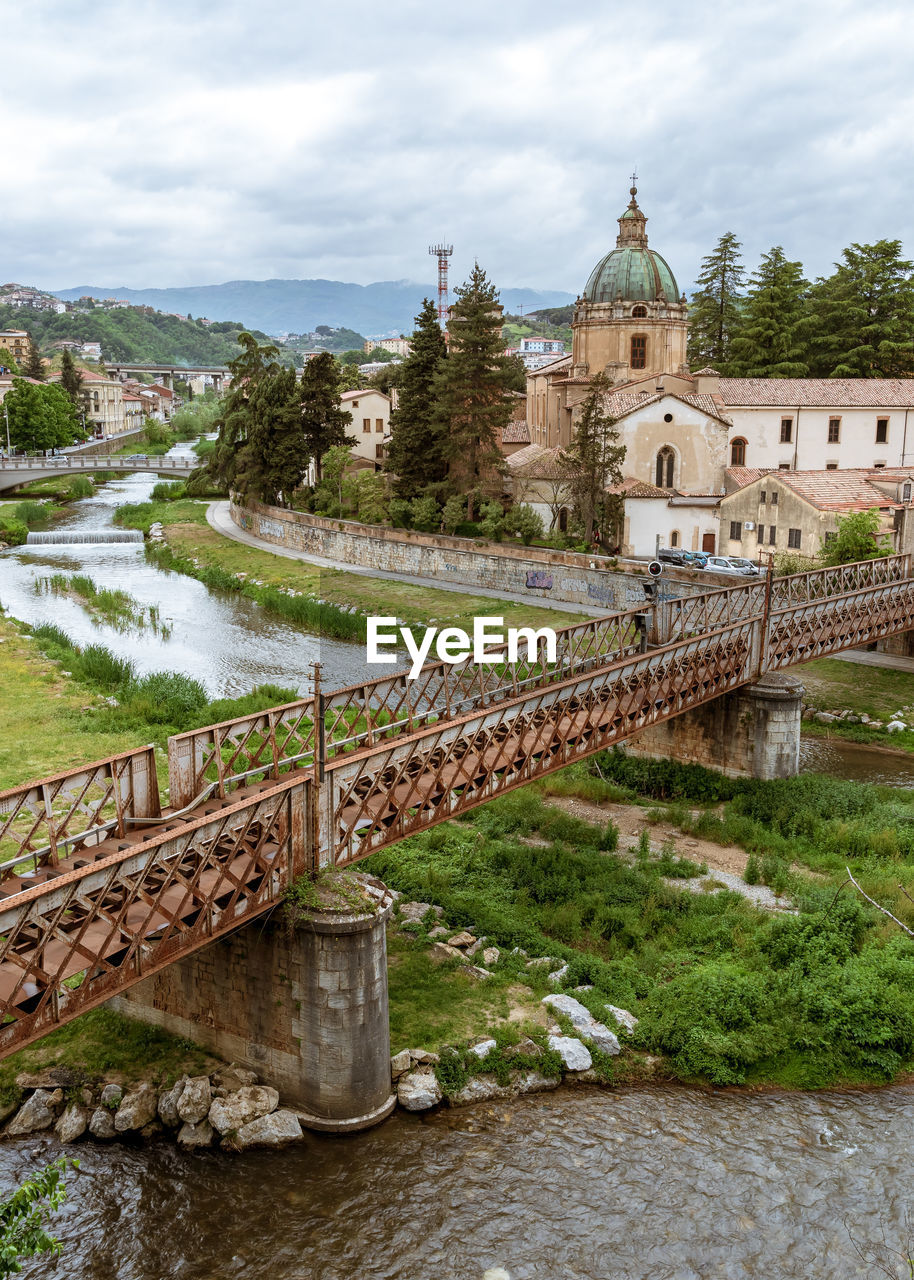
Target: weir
{"type": "Point", "coordinates": [71, 537]}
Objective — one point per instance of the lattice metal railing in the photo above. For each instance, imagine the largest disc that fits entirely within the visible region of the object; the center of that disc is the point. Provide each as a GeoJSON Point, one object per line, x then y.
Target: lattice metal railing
{"type": "Point", "coordinates": [43, 823]}
{"type": "Point", "coordinates": [840, 580]}
{"type": "Point", "coordinates": [813, 630]}
{"type": "Point", "coordinates": [692, 615]}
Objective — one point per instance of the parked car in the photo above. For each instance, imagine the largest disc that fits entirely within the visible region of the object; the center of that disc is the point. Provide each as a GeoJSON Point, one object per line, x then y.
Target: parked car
{"type": "Point", "coordinates": [748, 567]}
{"type": "Point", "coordinates": [696, 559]}
{"type": "Point", "coordinates": [724, 564]}
{"type": "Point", "coordinates": [672, 555]}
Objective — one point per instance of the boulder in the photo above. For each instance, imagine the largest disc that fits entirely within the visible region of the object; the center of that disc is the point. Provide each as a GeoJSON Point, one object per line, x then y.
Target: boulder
{"type": "Point", "coordinates": [623, 1017]}
{"type": "Point", "coordinates": [527, 1048]}
{"type": "Point", "coordinates": [101, 1124]}
{"type": "Point", "coordinates": [275, 1130]}
{"type": "Point", "coordinates": [37, 1113]}
{"type": "Point", "coordinates": [439, 931]}
{"type": "Point", "coordinates": [443, 951]}
{"type": "Point", "coordinates": [138, 1108]}
{"type": "Point", "coordinates": [482, 1048]}
{"type": "Point", "coordinates": [490, 956]}
{"type": "Point", "coordinates": [241, 1107]}
{"type": "Point", "coordinates": [825, 717]}
{"type": "Point", "coordinates": [195, 1100]}
{"type": "Point", "coordinates": [414, 912]}
{"type": "Point", "coordinates": [196, 1135]}
{"type": "Point", "coordinates": [584, 1023]}
{"type": "Point", "coordinates": [463, 939]}
{"type": "Point", "coordinates": [168, 1104]}
{"type": "Point", "coordinates": [50, 1078]}
{"type": "Point", "coordinates": [542, 962]}
{"type": "Point", "coordinates": [895, 726]}
{"type": "Point", "coordinates": [559, 975]}
{"type": "Point", "coordinates": [233, 1077]}
{"type": "Point", "coordinates": [575, 1056]}
{"type": "Point", "coordinates": [477, 946]}
{"type": "Point", "coordinates": [418, 1090]}
{"type": "Point", "coordinates": [423, 1057]}
{"type": "Point", "coordinates": [73, 1123]}
{"type": "Point", "coordinates": [400, 1063]}
{"type": "Point", "coordinates": [484, 1088]}
{"type": "Point", "coordinates": [532, 1082]}
{"type": "Point", "coordinates": [476, 971]}
{"type": "Point", "coordinates": [111, 1095]}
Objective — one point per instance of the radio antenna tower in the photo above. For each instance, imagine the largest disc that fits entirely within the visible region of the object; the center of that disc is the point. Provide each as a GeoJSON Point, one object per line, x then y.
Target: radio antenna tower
{"type": "Point", "coordinates": [442, 252]}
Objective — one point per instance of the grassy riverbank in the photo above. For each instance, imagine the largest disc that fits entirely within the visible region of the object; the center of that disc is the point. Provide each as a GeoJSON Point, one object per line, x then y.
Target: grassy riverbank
{"type": "Point", "coordinates": [877, 692]}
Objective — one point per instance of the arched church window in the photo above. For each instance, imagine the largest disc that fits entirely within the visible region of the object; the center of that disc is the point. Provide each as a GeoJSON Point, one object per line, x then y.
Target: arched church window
{"type": "Point", "coordinates": [738, 452]}
{"type": "Point", "coordinates": [674, 538]}
{"type": "Point", "coordinates": [664, 472]}
{"type": "Point", "coordinates": [639, 352]}
{"type": "Point", "coordinates": [639, 312]}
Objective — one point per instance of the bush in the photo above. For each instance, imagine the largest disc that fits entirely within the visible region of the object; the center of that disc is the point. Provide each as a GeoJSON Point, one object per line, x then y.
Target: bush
{"type": "Point", "coordinates": [99, 666]}
{"type": "Point", "coordinates": [156, 433]}
{"type": "Point", "coordinates": [492, 521]}
{"type": "Point", "coordinates": [526, 523]}
{"type": "Point", "coordinates": [167, 697]}
{"type": "Point", "coordinates": [399, 511]}
{"type": "Point", "coordinates": [33, 514]}
{"type": "Point", "coordinates": [426, 514]}
{"type": "Point", "coordinates": [168, 491]}
{"type": "Point", "coordinates": [13, 532]}
{"type": "Point", "coordinates": [455, 510]}
{"type": "Point", "coordinates": [80, 487]}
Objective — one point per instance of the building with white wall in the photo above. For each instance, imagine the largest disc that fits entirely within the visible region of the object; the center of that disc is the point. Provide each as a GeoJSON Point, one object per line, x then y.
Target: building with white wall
{"type": "Point", "coordinates": [370, 411]}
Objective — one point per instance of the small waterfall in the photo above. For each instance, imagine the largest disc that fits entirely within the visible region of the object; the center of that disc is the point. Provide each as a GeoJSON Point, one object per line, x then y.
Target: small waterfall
{"type": "Point", "coordinates": [67, 537]}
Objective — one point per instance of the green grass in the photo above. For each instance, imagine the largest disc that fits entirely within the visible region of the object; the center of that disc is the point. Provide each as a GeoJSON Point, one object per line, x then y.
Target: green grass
{"type": "Point", "coordinates": [106, 604]}
{"type": "Point", "coordinates": [879, 692]}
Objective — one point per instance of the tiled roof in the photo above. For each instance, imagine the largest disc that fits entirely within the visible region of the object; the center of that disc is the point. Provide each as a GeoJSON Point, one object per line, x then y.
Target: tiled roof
{"type": "Point", "coordinates": [366, 391]}
{"type": "Point", "coordinates": [516, 432]}
{"type": "Point", "coordinates": [536, 462]}
{"type": "Point", "coordinates": [848, 490]}
{"type": "Point", "coordinates": [632, 487]}
{"type": "Point", "coordinates": [621, 403]}
{"type": "Point", "coordinates": [875, 393]}
{"type": "Point", "coordinates": [742, 476]}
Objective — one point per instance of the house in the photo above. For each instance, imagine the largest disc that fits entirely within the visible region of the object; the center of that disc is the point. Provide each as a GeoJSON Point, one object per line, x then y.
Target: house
{"type": "Point", "coordinates": [103, 405]}
{"type": "Point", "coordinates": [18, 343]}
{"type": "Point", "coordinates": [397, 346]}
{"type": "Point", "coordinates": [370, 427]}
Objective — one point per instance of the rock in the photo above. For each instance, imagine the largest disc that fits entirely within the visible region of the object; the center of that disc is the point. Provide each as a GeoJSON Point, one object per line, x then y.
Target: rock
{"type": "Point", "coordinates": [275, 1130]}
{"type": "Point", "coordinates": [559, 975]}
{"type": "Point", "coordinates": [623, 1017]}
{"type": "Point", "coordinates": [7, 1109]}
{"type": "Point", "coordinates": [111, 1095]}
{"type": "Point", "coordinates": [101, 1124]}
{"type": "Point", "coordinates": [399, 1063]}
{"type": "Point", "coordinates": [233, 1077]}
{"type": "Point", "coordinates": [138, 1108]}
{"type": "Point", "coordinates": [35, 1114]}
{"type": "Point", "coordinates": [482, 1048]}
{"type": "Point", "coordinates": [423, 1057]}
{"type": "Point", "coordinates": [196, 1135]}
{"type": "Point", "coordinates": [852, 719]}
{"type": "Point", "coordinates": [463, 939]}
{"type": "Point", "coordinates": [587, 986]}
{"type": "Point", "coordinates": [518, 951]}
{"type": "Point", "coordinates": [168, 1104]}
{"type": "Point", "coordinates": [584, 1023]}
{"type": "Point", "coordinates": [73, 1123]}
{"type": "Point", "coordinates": [195, 1100]}
{"type": "Point", "coordinates": [528, 1048]}
{"type": "Point", "coordinates": [825, 717]}
{"type": "Point", "coordinates": [482, 1088]}
{"type": "Point", "coordinates": [490, 956]}
{"type": "Point", "coordinates": [575, 1056]}
{"type": "Point", "coordinates": [476, 971]}
{"type": "Point", "coordinates": [442, 951]}
{"type": "Point", "coordinates": [154, 1129]}
{"type": "Point", "coordinates": [418, 1090]}
{"type": "Point", "coordinates": [895, 726]}
{"type": "Point", "coordinates": [415, 911]}
{"type": "Point", "coordinates": [439, 931]}
{"type": "Point", "coordinates": [533, 1082]}
{"type": "Point", "coordinates": [50, 1078]}
{"type": "Point", "coordinates": [242, 1106]}
{"type": "Point", "coordinates": [477, 946]}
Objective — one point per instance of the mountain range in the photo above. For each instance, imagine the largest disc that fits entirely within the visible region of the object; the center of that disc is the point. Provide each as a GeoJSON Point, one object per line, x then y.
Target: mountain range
{"type": "Point", "coordinates": [298, 306]}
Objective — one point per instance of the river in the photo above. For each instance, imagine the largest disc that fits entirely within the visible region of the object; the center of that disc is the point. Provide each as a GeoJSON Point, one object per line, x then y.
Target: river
{"type": "Point", "coordinates": [666, 1184]}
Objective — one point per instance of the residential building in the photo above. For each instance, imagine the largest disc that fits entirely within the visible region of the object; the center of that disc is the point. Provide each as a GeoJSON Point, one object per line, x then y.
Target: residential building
{"type": "Point", "coordinates": [18, 343]}
{"type": "Point", "coordinates": [397, 346]}
{"type": "Point", "coordinates": [103, 405]}
{"type": "Point", "coordinates": [370, 411]}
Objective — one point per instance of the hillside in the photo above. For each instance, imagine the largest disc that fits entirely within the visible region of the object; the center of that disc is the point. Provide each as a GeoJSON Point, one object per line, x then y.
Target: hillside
{"type": "Point", "coordinates": [299, 306]}
{"type": "Point", "coordinates": [131, 334]}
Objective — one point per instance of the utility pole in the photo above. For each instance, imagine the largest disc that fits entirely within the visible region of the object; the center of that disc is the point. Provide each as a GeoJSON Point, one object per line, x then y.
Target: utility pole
{"type": "Point", "coordinates": [442, 252]}
{"type": "Point", "coordinates": [6, 414]}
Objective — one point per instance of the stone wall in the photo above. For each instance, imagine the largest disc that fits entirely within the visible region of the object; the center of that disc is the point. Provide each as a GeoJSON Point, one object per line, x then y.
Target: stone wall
{"type": "Point", "coordinates": [535, 572]}
{"type": "Point", "coordinates": [753, 732]}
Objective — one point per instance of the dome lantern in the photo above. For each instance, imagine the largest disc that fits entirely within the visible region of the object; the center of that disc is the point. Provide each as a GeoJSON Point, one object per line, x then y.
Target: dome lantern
{"type": "Point", "coordinates": [631, 270]}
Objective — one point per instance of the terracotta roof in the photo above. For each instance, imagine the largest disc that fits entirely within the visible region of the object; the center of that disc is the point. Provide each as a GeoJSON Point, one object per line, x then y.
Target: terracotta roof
{"type": "Point", "coordinates": [707, 372]}
{"type": "Point", "coordinates": [848, 490]}
{"type": "Point", "coordinates": [621, 403]}
{"type": "Point", "coordinates": [366, 391]}
{"type": "Point", "coordinates": [875, 393]}
{"type": "Point", "coordinates": [745, 475]}
{"type": "Point", "coordinates": [516, 432]}
{"type": "Point", "coordinates": [536, 462]}
{"type": "Point", "coordinates": [632, 487]}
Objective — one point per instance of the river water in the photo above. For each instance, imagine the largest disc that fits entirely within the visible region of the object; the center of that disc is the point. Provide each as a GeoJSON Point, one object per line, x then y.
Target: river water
{"type": "Point", "coordinates": [668, 1184]}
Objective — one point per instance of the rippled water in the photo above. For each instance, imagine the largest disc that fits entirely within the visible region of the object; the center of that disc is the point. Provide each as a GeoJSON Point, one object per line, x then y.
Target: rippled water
{"type": "Point", "coordinates": [843, 759]}
{"type": "Point", "coordinates": [224, 640]}
{"type": "Point", "coordinates": [576, 1185]}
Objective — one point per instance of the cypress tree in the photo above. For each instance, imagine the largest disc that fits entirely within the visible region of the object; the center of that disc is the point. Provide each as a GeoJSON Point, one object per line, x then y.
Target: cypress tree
{"type": "Point", "coordinates": [323, 419]}
{"type": "Point", "coordinates": [70, 378]}
{"type": "Point", "coordinates": [861, 318]}
{"type": "Point", "coordinates": [250, 367]}
{"type": "Point", "coordinates": [471, 390]}
{"type": "Point", "coordinates": [33, 366]}
{"type": "Point", "coordinates": [769, 342]}
{"type": "Point", "coordinates": [593, 463]}
{"type": "Point", "coordinates": [416, 456]}
{"type": "Point", "coordinates": [714, 311]}
{"type": "Point", "coordinates": [273, 459]}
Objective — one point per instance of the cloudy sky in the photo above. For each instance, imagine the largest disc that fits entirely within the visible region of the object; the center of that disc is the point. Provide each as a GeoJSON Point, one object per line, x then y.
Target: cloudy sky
{"type": "Point", "coordinates": [173, 142]}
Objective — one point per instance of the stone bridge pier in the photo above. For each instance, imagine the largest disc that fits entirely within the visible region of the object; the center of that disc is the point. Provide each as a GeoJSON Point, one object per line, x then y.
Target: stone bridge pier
{"type": "Point", "coordinates": [299, 996]}
{"type": "Point", "coordinates": [753, 732]}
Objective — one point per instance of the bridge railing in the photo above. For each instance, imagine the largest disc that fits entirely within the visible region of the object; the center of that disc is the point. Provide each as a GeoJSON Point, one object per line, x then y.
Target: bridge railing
{"type": "Point", "coordinates": [691, 615]}
{"type": "Point", "coordinates": [60, 817]}
{"type": "Point", "coordinates": [839, 580]}
{"type": "Point", "coordinates": [95, 462]}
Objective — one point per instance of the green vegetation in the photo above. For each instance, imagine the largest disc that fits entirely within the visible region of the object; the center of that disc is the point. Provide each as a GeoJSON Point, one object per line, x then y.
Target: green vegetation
{"type": "Point", "coordinates": [41, 417]}
{"type": "Point", "coordinates": [416, 455]}
{"type": "Point", "coordinates": [857, 538]}
{"type": "Point", "coordinates": [106, 604]}
{"type": "Point", "coordinates": [833, 684]}
{"type": "Point", "coordinates": [25, 1212]}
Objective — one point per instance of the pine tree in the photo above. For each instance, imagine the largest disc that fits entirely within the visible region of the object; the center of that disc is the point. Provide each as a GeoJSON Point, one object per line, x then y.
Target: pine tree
{"type": "Point", "coordinates": [770, 342]}
{"type": "Point", "coordinates": [861, 318]}
{"type": "Point", "coordinates": [593, 463]}
{"type": "Point", "coordinates": [70, 377]}
{"type": "Point", "coordinates": [714, 311]}
{"type": "Point", "coordinates": [416, 456]}
{"type": "Point", "coordinates": [323, 419]}
{"type": "Point", "coordinates": [471, 390]}
{"type": "Point", "coordinates": [251, 366]}
{"type": "Point", "coordinates": [34, 368]}
{"type": "Point", "coordinates": [274, 457]}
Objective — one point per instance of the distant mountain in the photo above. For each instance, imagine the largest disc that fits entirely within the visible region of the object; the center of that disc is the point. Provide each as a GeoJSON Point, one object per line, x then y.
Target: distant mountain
{"type": "Point", "coordinates": [298, 306]}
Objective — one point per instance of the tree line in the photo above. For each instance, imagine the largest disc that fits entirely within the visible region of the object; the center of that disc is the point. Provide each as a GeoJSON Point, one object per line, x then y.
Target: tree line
{"type": "Point", "coordinates": [857, 322]}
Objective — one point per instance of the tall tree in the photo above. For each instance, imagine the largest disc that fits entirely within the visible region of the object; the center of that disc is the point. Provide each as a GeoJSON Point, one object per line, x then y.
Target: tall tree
{"type": "Point", "coordinates": [593, 464]}
{"type": "Point", "coordinates": [251, 366]}
{"type": "Point", "coordinates": [416, 456]}
{"type": "Point", "coordinates": [34, 368]}
{"type": "Point", "coordinates": [714, 311]}
{"type": "Point", "coordinates": [770, 341]}
{"type": "Point", "coordinates": [41, 417]}
{"type": "Point", "coordinates": [323, 419]}
{"type": "Point", "coordinates": [273, 458]}
{"type": "Point", "coordinates": [472, 404]}
{"type": "Point", "coordinates": [70, 377]}
{"type": "Point", "coordinates": [862, 317]}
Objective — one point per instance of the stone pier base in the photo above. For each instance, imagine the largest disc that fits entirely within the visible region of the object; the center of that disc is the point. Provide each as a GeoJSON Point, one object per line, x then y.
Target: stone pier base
{"type": "Point", "coordinates": [753, 732]}
{"type": "Point", "coordinates": [304, 1004]}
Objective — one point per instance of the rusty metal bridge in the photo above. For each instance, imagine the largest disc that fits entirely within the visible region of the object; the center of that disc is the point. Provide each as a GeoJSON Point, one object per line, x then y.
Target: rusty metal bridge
{"type": "Point", "coordinates": [102, 885]}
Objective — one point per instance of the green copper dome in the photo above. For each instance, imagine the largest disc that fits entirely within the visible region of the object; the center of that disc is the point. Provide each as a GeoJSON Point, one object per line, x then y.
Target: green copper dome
{"type": "Point", "coordinates": [631, 270]}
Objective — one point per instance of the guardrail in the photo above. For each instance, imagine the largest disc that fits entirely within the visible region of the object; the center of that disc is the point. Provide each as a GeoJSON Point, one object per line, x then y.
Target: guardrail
{"type": "Point", "coordinates": [98, 462]}
{"type": "Point", "coordinates": [840, 580]}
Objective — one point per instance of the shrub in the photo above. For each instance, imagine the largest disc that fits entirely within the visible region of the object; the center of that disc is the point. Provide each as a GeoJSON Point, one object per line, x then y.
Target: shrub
{"type": "Point", "coordinates": [99, 666]}
{"type": "Point", "coordinates": [526, 523]}
{"type": "Point", "coordinates": [168, 491]}
{"type": "Point", "coordinates": [426, 514]}
{"type": "Point", "coordinates": [80, 487]}
{"type": "Point", "coordinates": [753, 872]}
{"type": "Point", "coordinates": [492, 521]}
{"type": "Point", "coordinates": [13, 532]}
{"type": "Point", "coordinates": [455, 510]}
{"type": "Point", "coordinates": [399, 511]}
{"type": "Point", "coordinates": [167, 697]}
{"type": "Point", "coordinates": [33, 514]}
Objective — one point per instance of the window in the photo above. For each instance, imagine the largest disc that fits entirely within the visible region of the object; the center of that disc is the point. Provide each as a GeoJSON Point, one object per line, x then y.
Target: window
{"type": "Point", "coordinates": [830, 537]}
{"type": "Point", "coordinates": [639, 352]}
{"type": "Point", "coordinates": [831, 466]}
{"type": "Point", "coordinates": [774, 497]}
{"type": "Point", "coordinates": [793, 539]}
{"type": "Point", "coordinates": [834, 430]}
{"type": "Point", "coordinates": [906, 493]}
{"type": "Point", "coordinates": [878, 466]}
{"type": "Point", "coordinates": [639, 312]}
{"type": "Point", "coordinates": [664, 469]}
{"type": "Point", "coordinates": [882, 430]}
{"type": "Point", "coordinates": [355, 404]}
{"type": "Point", "coordinates": [379, 450]}
{"type": "Point", "coordinates": [366, 424]}
{"type": "Point", "coordinates": [760, 533]}
{"type": "Point", "coordinates": [738, 453]}
{"type": "Point", "coordinates": [379, 424]}
{"type": "Point", "coordinates": [783, 466]}
{"type": "Point", "coordinates": [763, 497]}
{"type": "Point", "coordinates": [736, 530]}
{"type": "Point", "coordinates": [563, 519]}
{"type": "Point", "coordinates": [786, 430]}
{"type": "Point", "coordinates": [772, 534]}
{"type": "Point", "coordinates": [674, 538]}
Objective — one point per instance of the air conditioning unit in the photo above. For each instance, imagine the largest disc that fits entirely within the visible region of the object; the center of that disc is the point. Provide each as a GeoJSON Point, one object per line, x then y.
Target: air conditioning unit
{"type": "Point", "coordinates": [749, 524]}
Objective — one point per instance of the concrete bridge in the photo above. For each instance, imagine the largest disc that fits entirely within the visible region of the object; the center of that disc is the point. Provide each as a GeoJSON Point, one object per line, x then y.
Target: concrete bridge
{"type": "Point", "coordinates": [109, 893]}
{"type": "Point", "coordinates": [18, 471]}
{"type": "Point", "coordinates": [166, 373]}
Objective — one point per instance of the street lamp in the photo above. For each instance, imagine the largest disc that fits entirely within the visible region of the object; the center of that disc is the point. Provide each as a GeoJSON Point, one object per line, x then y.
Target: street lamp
{"type": "Point", "coordinates": [6, 414]}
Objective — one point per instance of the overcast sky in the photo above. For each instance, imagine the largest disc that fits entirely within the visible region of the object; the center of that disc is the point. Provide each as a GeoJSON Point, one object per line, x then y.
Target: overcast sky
{"type": "Point", "coordinates": [171, 142]}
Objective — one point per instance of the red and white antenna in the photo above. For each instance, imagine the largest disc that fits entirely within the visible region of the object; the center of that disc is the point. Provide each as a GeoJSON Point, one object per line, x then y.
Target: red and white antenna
{"type": "Point", "coordinates": [442, 252]}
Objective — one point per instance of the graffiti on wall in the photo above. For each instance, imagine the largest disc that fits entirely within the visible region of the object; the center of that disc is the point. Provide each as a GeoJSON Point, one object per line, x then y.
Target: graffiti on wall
{"type": "Point", "coordinates": [272, 528]}
{"type": "Point", "coordinates": [539, 578]}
